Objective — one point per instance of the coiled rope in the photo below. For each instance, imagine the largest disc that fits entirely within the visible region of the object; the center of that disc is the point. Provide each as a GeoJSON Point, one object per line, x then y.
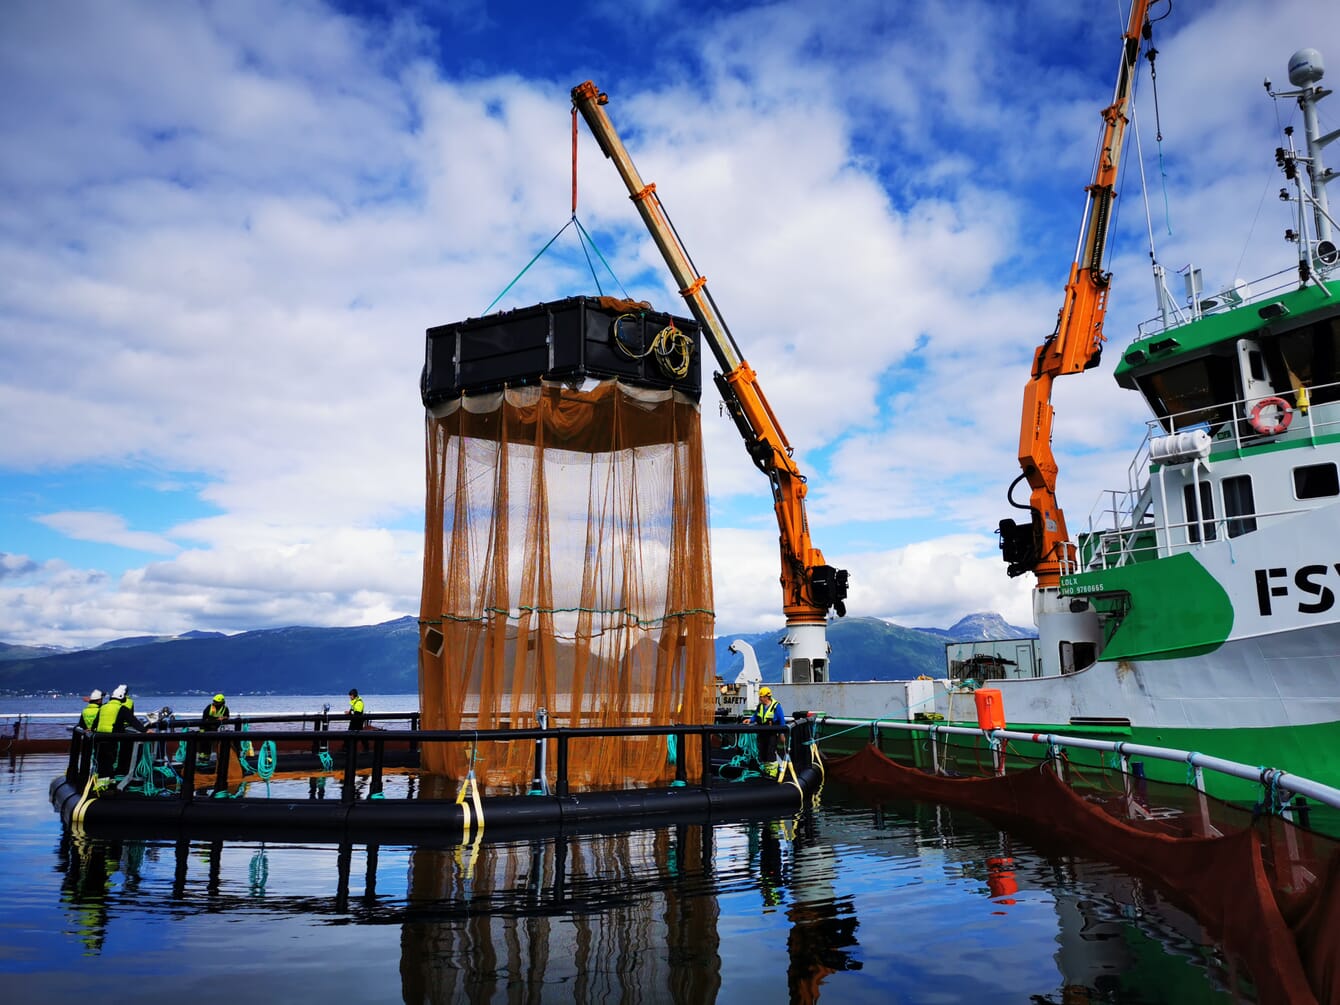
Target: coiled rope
{"type": "Point", "coordinates": [673, 349]}
{"type": "Point", "coordinates": [266, 761]}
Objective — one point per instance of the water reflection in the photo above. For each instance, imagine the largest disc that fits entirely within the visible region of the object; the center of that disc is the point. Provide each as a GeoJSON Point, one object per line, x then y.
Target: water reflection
{"type": "Point", "coordinates": [90, 868]}
{"type": "Point", "coordinates": [850, 903]}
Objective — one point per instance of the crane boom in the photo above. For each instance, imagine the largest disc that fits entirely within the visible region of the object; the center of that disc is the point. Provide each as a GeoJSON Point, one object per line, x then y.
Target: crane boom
{"type": "Point", "coordinates": [810, 587]}
{"type": "Point", "coordinates": [1043, 545]}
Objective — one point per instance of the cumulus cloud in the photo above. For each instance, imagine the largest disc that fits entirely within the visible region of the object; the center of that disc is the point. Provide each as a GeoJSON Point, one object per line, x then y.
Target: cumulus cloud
{"type": "Point", "coordinates": [107, 528]}
{"type": "Point", "coordinates": [231, 224]}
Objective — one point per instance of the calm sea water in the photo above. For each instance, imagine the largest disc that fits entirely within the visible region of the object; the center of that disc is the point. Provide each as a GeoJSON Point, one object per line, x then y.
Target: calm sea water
{"type": "Point", "coordinates": [853, 902]}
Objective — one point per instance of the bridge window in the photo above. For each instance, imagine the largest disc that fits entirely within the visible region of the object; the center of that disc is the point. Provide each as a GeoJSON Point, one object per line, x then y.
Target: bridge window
{"type": "Point", "coordinates": [1239, 506]}
{"type": "Point", "coordinates": [1199, 390]}
{"type": "Point", "coordinates": [1316, 481]}
{"type": "Point", "coordinates": [1204, 517]}
{"type": "Point", "coordinates": [1310, 355]}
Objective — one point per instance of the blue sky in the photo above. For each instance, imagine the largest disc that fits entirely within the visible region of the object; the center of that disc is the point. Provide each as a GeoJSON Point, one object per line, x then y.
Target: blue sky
{"type": "Point", "coordinates": [227, 226]}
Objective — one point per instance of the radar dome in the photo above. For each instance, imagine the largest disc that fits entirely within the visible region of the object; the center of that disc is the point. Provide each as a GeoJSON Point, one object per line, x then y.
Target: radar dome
{"type": "Point", "coordinates": [1305, 67]}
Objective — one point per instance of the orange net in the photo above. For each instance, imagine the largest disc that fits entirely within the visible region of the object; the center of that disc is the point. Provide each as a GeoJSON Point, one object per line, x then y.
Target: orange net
{"type": "Point", "coordinates": [566, 568]}
{"type": "Point", "coordinates": [1266, 888]}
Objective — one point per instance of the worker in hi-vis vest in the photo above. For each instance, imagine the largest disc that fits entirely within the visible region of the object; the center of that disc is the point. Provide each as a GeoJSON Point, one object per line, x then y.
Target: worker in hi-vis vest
{"type": "Point", "coordinates": [89, 717]}
{"type": "Point", "coordinates": [768, 713]}
{"type": "Point", "coordinates": [115, 716]}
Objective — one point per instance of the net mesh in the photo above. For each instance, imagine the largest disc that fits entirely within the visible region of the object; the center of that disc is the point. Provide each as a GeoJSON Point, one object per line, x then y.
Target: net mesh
{"type": "Point", "coordinates": [567, 568]}
{"type": "Point", "coordinates": [1268, 889]}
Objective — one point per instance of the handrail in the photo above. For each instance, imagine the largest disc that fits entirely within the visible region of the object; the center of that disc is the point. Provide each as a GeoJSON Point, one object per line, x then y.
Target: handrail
{"type": "Point", "coordinates": [1273, 285]}
{"type": "Point", "coordinates": [83, 742]}
{"type": "Point", "coordinates": [1269, 776]}
{"type": "Point", "coordinates": [1117, 519]}
{"type": "Point", "coordinates": [243, 717]}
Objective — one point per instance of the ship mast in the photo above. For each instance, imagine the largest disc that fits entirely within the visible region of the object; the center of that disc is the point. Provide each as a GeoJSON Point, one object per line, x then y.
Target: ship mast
{"type": "Point", "coordinates": [1305, 72]}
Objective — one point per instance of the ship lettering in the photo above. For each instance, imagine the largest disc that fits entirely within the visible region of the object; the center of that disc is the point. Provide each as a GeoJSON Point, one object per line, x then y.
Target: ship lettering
{"type": "Point", "coordinates": [1271, 583]}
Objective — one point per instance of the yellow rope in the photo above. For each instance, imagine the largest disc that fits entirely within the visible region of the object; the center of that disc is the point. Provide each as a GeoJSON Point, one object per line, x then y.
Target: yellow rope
{"type": "Point", "coordinates": [673, 349]}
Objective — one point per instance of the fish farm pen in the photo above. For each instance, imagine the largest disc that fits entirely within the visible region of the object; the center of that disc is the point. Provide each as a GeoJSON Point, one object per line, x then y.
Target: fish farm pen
{"type": "Point", "coordinates": [712, 773]}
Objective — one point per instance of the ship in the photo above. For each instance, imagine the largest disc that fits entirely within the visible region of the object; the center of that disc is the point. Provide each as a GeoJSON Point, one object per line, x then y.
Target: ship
{"type": "Point", "coordinates": [1197, 609]}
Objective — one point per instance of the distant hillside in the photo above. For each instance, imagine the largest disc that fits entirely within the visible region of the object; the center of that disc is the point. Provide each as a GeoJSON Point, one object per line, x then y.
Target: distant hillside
{"type": "Point", "coordinates": [132, 641]}
{"type": "Point", "coordinates": [10, 652]}
{"type": "Point", "coordinates": [274, 661]}
{"type": "Point", "coordinates": [981, 627]}
{"type": "Point", "coordinates": [384, 658]}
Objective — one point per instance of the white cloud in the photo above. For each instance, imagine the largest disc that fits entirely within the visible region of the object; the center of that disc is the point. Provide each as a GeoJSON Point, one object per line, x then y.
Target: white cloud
{"type": "Point", "coordinates": [107, 528]}
{"type": "Point", "coordinates": [231, 224]}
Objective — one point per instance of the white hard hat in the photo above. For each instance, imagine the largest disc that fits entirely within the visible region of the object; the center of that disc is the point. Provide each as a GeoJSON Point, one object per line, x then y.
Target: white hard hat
{"type": "Point", "coordinates": [120, 692]}
{"type": "Point", "coordinates": [95, 695]}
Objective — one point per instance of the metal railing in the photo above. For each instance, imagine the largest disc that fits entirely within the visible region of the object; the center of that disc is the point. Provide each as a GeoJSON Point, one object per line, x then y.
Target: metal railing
{"type": "Point", "coordinates": [1120, 530]}
{"type": "Point", "coordinates": [85, 744]}
{"type": "Point", "coordinates": [1273, 285]}
{"type": "Point", "coordinates": [1197, 763]}
{"type": "Point", "coordinates": [55, 725]}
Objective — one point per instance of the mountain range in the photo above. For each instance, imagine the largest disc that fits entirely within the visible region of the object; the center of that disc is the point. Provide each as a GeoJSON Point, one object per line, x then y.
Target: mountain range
{"type": "Point", "coordinates": [383, 658]}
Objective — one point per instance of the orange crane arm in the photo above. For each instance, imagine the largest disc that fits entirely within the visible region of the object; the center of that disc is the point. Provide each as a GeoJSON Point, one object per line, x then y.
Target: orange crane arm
{"type": "Point", "coordinates": [1043, 545]}
{"type": "Point", "coordinates": [809, 586]}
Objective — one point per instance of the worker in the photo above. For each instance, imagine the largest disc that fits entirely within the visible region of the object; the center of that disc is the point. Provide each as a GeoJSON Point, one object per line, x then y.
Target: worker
{"type": "Point", "coordinates": [89, 717]}
{"type": "Point", "coordinates": [214, 716]}
{"type": "Point", "coordinates": [115, 716]}
{"type": "Point", "coordinates": [356, 717]}
{"type": "Point", "coordinates": [768, 713]}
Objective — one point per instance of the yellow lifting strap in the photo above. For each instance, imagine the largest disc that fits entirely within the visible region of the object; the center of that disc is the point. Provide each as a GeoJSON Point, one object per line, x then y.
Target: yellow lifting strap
{"type": "Point", "coordinates": [788, 772]}
{"type": "Point", "coordinates": [90, 793]}
{"type": "Point", "coordinates": [470, 785]}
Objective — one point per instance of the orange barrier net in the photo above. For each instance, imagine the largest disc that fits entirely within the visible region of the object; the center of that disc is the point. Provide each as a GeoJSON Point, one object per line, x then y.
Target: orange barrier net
{"type": "Point", "coordinates": [566, 567]}
{"type": "Point", "coordinates": [1267, 889]}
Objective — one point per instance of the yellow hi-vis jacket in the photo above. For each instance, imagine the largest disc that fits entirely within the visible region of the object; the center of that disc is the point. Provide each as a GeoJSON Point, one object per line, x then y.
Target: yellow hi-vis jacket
{"type": "Point", "coordinates": [768, 712]}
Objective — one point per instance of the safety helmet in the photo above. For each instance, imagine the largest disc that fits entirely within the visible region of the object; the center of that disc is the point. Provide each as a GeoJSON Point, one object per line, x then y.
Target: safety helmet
{"type": "Point", "coordinates": [120, 692]}
{"type": "Point", "coordinates": [95, 695]}
{"type": "Point", "coordinates": [765, 692]}
{"type": "Point", "coordinates": [218, 699]}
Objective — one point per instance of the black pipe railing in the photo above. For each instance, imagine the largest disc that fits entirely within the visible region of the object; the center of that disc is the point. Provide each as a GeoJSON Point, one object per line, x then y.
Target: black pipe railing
{"type": "Point", "coordinates": [84, 743]}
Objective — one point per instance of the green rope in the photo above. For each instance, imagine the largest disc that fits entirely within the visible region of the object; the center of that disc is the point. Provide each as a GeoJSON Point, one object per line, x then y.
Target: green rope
{"type": "Point", "coordinates": [259, 871]}
{"type": "Point", "coordinates": [634, 619]}
{"type": "Point", "coordinates": [585, 240]}
{"type": "Point", "coordinates": [528, 265]}
{"type": "Point", "coordinates": [266, 760]}
{"type": "Point", "coordinates": [142, 774]}
{"type": "Point", "coordinates": [1163, 175]}
{"type": "Point", "coordinates": [850, 729]}
{"type": "Point", "coordinates": [582, 230]}
{"type": "Point", "coordinates": [241, 791]}
{"type": "Point", "coordinates": [327, 763]}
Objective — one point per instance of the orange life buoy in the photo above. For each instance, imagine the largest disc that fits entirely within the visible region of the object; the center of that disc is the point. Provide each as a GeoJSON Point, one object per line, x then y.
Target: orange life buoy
{"type": "Point", "coordinates": [1271, 428]}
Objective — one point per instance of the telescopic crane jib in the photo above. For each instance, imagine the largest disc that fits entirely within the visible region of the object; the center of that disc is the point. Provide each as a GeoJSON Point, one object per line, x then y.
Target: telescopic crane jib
{"type": "Point", "coordinates": [810, 587]}
{"type": "Point", "coordinates": [1042, 546]}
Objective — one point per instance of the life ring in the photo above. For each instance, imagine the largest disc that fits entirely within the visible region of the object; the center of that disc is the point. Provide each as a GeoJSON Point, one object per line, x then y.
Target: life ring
{"type": "Point", "coordinates": [1271, 428]}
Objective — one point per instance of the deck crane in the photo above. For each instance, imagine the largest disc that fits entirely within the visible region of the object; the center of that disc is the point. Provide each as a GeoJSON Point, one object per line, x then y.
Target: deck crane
{"type": "Point", "coordinates": [1042, 546]}
{"type": "Point", "coordinates": [810, 587]}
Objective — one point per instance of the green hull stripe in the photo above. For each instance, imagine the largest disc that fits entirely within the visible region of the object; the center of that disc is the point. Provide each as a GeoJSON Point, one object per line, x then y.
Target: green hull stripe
{"type": "Point", "coordinates": [1311, 751]}
{"type": "Point", "coordinates": [1176, 608]}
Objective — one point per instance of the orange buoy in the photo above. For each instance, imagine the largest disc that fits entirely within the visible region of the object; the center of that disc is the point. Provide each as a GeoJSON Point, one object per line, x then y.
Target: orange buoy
{"type": "Point", "coordinates": [990, 708]}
